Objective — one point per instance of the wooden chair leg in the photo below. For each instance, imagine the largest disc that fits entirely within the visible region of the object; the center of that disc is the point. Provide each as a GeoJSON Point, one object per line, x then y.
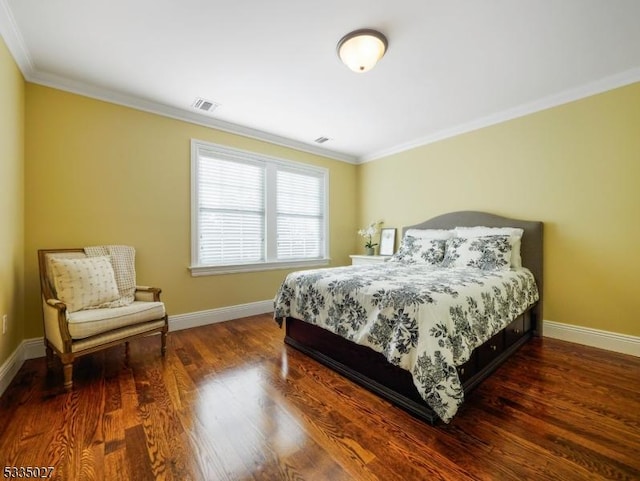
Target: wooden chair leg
{"type": "Point", "coordinates": [49, 353]}
{"type": "Point", "coordinates": [67, 367]}
{"type": "Point", "coordinates": [163, 342]}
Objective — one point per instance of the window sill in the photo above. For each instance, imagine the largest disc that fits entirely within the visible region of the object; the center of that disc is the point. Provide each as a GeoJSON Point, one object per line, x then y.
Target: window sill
{"type": "Point", "coordinates": [200, 271]}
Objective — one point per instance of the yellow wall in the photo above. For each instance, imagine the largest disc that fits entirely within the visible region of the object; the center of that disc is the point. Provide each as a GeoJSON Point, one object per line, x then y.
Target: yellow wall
{"type": "Point", "coordinates": [576, 167]}
{"type": "Point", "coordinates": [94, 172]}
{"type": "Point", "coordinates": [99, 173]}
{"type": "Point", "coordinates": [11, 202]}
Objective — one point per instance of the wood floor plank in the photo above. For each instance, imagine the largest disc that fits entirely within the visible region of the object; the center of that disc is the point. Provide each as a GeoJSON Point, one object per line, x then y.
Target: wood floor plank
{"type": "Point", "coordinates": [137, 449]}
{"type": "Point", "coordinates": [579, 413]}
{"type": "Point", "coordinates": [592, 438]}
{"type": "Point", "coordinates": [231, 402]}
{"type": "Point", "coordinates": [116, 466]}
{"type": "Point", "coordinates": [369, 438]}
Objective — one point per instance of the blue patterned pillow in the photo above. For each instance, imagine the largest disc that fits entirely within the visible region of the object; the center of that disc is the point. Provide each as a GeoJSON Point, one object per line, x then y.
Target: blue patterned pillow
{"type": "Point", "coordinates": [488, 252]}
{"type": "Point", "coordinates": [416, 250]}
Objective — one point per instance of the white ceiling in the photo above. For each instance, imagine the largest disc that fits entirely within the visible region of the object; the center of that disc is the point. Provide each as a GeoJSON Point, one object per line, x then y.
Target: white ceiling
{"type": "Point", "coordinates": [451, 66]}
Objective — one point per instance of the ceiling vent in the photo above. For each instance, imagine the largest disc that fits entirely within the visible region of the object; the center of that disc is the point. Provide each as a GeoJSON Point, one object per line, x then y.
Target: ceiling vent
{"type": "Point", "coordinates": [204, 105]}
{"type": "Point", "coordinates": [321, 140]}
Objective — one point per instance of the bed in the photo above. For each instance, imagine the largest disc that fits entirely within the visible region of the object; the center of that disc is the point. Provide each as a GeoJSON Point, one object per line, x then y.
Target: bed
{"type": "Point", "coordinates": [475, 320]}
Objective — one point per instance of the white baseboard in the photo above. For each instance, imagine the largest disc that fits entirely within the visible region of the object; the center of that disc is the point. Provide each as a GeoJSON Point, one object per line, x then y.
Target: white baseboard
{"type": "Point", "coordinates": [610, 341]}
{"type": "Point", "coordinates": [27, 349]}
{"type": "Point", "coordinates": [10, 368]}
{"type": "Point", "coordinates": [221, 314]}
{"type": "Point", "coordinates": [34, 348]}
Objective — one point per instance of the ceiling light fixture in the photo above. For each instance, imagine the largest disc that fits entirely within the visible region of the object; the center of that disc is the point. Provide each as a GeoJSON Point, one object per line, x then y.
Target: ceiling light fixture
{"type": "Point", "coordinates": [360, 50]}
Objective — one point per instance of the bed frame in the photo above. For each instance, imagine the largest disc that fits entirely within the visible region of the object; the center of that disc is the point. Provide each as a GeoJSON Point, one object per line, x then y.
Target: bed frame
{"type": "Point", "coordinates": [370, 368]}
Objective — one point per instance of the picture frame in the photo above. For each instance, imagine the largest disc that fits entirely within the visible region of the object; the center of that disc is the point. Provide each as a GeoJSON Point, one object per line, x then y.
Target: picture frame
{"type": "Point", "coordinates": [387, 241]}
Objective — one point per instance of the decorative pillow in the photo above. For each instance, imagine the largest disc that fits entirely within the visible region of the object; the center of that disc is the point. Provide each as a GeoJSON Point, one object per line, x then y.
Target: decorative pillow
{"type": "Point", "coordinates": [488, 253]}
{"type": "Point", "coordinates": [514, 233]}
{"type": "Point", "coordinates": [416, 250]}
{"type": "Point", "coordinates": [85, 282]}
{"type": "Point", "coordinates": [122, 260]}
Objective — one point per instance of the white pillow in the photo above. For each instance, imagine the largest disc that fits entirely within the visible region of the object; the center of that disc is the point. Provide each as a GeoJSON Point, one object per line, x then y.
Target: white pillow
{"type": "Point", "coordinates": [515, 234]}
{"type": "Point", "coordinates": [430, 233]}
{"type": "Point", "coordinates": [84, 282]}
{"type": "Point", "coordinates": [492, 252]}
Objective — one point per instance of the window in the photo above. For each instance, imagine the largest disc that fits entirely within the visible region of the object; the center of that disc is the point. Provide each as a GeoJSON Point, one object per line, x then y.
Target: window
{"type": "Point", "coordinates": [253, 212]}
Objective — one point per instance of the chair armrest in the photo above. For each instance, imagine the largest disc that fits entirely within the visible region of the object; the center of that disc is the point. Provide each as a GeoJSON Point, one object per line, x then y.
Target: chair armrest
{"type": "Point", "coordinates": [59, 305]}
{"type": "Point", "coordinates": [55, 324]}
{"type": "Point", "coordinates": [147, 294]}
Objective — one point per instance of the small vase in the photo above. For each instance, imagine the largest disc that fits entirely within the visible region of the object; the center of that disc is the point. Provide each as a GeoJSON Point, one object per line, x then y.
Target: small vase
{"type": "Point", "coordinates": [370, 251]}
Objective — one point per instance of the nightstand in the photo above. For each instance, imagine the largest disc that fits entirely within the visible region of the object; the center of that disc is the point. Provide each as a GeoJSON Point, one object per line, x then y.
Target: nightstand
{"type": "Point", "coordinates": [358, 260]}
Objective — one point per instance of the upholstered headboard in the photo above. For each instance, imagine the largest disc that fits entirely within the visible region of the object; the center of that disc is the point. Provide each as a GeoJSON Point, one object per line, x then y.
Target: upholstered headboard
{"type": "Point", "coordinates": [530, 250]}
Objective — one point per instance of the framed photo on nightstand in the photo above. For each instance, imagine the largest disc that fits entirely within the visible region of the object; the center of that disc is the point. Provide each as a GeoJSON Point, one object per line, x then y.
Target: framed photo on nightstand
{"type": "Point", "coordinates": [387, 241]}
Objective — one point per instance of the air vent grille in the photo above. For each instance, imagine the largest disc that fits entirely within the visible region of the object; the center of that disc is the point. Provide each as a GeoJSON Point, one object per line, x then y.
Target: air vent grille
{"type": "Point", "coordinates": [204, 105]}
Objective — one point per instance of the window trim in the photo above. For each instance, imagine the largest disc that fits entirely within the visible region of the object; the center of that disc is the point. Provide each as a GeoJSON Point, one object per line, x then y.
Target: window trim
{"type": "Point", "coordinates": [197, 270]}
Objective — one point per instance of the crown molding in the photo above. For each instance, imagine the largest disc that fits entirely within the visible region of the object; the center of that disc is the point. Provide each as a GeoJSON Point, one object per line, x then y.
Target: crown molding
{"type": "Point", "coordinates": [16, 45]}
{"type": "Point", "coordinates": [592, 88]}
{"type": "Point", "coordinates": [608, 83]}
{"type": "Point", "coordinates": [13, 38]}
{"type": "Point", "coordinates": [99, 93]}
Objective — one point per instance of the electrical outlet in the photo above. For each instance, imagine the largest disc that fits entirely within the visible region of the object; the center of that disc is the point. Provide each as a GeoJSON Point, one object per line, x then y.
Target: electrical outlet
{"type": "Point", "coordinates": [4, 324]}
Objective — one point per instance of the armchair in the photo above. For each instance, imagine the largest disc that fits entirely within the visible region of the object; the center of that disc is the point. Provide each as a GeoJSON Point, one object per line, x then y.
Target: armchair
{"type": "Point", "coordinates": [71, 331]}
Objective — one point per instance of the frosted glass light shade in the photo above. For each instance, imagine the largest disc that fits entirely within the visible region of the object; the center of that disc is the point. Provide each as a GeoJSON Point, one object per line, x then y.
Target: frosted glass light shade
{"type": "Point", "coordinates": [360, 50]}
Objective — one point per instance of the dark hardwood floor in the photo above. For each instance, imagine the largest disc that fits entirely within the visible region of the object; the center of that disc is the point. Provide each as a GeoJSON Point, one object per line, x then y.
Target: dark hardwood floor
{"type": "Point", "coordinates": [232, 402]}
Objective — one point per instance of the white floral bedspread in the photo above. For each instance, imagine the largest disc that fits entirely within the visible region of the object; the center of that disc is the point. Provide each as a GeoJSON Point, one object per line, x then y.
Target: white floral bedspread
{"type": "Point", "coordinates": [423, 319]}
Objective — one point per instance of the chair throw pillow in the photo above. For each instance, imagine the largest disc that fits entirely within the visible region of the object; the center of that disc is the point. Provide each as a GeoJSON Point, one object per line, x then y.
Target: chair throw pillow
{"type": "Point", "coordinates": [124, 269]}
{"type": "Point", "coordinates": [83, 283]}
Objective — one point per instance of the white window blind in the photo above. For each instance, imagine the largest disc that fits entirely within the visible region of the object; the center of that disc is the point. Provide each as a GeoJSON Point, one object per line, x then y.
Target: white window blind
{"type": "Point", "coordinates": [254, 212]}
{"type": "Point", "coordinates": [231, 212]}
{"type": "Point", "coordinates": [300, 215]}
